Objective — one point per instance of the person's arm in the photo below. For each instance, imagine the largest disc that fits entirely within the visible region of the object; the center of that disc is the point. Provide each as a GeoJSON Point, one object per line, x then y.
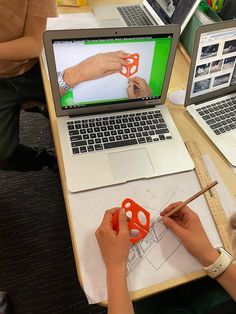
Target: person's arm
{"type": "Point", "coordinates": [188, 228]}
{"type": "Point", "coordinates": [119, 301]}
{"type": "Point", "coordinates": [115, 249]}
{"type": "Point", "coordinates": [29, 45]}
{"type": "Point", "coordinates": [94, 67]}
{"type": "Point", "coordinates": [228, 281]}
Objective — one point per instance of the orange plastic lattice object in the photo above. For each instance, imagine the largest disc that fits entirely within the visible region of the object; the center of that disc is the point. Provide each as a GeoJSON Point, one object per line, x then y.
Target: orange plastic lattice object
{"type": "Point", "coordinates": [134, 223]}
{"type": "Point", "coordinates": [132, 67]}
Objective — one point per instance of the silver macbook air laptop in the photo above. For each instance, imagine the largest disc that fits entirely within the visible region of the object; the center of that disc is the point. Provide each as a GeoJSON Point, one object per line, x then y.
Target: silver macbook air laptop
{"type": "Point", "coordinates": [150, 12]}
{"type": "Point", "coordinates": [211, 91]}
{"type": "Point", "coordinates": [112, 123]}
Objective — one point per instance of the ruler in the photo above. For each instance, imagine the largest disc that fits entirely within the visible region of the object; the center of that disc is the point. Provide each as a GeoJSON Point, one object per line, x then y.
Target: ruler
{"type": "Point", "coordinates": [211, 196]}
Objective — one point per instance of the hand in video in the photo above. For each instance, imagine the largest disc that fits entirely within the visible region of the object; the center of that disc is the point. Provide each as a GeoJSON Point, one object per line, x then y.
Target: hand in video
{"type": "Point", "coordinates": [138, 88]}
{"type": "Point", "coordinates": [97, 66]}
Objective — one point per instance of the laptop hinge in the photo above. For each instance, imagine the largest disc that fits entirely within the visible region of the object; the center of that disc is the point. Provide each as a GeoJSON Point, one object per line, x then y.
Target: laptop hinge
{"type": "Point", "coordinates": [113, 111]}
{"type": "Point", "coordinates": [210, 99]}
{"type": "Point", "coordinates": [150, 17]}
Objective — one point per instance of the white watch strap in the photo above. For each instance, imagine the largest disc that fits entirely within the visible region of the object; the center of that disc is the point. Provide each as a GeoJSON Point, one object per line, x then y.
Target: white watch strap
{"type": "Point", "coordinates": [220, 265]}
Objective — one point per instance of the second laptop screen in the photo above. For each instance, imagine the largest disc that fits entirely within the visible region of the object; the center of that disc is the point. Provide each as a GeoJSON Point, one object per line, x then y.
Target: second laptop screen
{"type": "Point", "coordinates": [216, 62]}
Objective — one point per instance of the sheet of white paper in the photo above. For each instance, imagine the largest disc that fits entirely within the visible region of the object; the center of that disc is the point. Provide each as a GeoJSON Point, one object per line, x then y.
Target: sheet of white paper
{"type": "Point", "coordinates": [166, 259]}
{"type": "Point", "coordinates": [72, 21]}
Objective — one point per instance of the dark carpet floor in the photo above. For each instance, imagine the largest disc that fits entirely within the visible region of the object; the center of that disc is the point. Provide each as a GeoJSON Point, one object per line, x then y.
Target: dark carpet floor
{"type": "Point", "coordinates": [37, 266]}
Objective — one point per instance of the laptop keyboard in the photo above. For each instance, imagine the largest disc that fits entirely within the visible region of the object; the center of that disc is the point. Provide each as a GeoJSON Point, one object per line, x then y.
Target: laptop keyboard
{"type": "Point", "coordinates": [133, 15]}
{"type": "Point", "coordinates": [107, 132]}
{"type": "Point", "coordinates": [220, 116]}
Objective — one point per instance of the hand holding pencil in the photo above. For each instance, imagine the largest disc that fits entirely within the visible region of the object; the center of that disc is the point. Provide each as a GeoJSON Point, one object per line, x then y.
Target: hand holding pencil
{"type": "Point", "coordinates": [186, 225]}
{"type": "Point", "coordinates": [138, 88]}
{"type": "Point", "coordinates": [192, 198]}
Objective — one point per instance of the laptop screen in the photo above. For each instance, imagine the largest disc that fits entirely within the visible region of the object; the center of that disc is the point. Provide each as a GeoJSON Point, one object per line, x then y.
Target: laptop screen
{"type": "Point", "coordinates": [172, 11]}
{"type": "Point", "coordinates": [215, 66]}
{"type": "Point", "coordinates": [98, 71]}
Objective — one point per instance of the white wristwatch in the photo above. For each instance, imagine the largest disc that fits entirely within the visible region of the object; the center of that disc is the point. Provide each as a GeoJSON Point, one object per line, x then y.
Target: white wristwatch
{"type": "Point", "coordinates": [61, 81]}
{"type": "Point", "coordinates": [220, 265]}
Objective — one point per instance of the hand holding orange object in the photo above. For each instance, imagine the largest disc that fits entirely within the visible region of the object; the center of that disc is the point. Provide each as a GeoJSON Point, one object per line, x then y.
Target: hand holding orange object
{"type": "Point", "coordinates": [139, 222]}
{"type": "Point", "coordinates": [94, 67]}
{"type": "Point", "coordinates": [114, 246]}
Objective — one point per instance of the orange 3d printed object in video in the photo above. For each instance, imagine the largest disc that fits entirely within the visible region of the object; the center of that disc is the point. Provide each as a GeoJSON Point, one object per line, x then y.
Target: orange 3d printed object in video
{"type": "Point", "coordinates": [132, 67]}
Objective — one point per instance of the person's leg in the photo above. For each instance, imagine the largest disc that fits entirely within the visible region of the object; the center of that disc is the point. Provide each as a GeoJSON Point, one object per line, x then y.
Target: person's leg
{"type": "Point", "coordinates": [30, 86]}
{"type": "Point", "coordinates": [9, 120]}
{"type": "Point", "coordinates": [13, 155]}
{"type": "Point", "coordinates": [26, 158]}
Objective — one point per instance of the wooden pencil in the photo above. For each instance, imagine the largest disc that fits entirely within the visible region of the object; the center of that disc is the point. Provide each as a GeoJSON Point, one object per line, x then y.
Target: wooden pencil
{"type": "Point", "coordinates": [190, 199]}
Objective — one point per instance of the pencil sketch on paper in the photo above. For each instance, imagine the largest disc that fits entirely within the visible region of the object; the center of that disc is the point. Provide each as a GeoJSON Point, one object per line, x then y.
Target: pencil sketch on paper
{"type": "Point", "coordinates": [150, 248]}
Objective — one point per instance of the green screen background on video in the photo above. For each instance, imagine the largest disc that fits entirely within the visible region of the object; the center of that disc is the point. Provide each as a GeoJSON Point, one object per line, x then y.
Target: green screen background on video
{"type": "Point", "coordinates": [157, 75]}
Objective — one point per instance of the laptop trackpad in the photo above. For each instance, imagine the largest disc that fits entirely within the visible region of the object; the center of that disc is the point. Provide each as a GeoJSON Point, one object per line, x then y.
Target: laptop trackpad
{"type": "Point", "coordinates": [130, 164]}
